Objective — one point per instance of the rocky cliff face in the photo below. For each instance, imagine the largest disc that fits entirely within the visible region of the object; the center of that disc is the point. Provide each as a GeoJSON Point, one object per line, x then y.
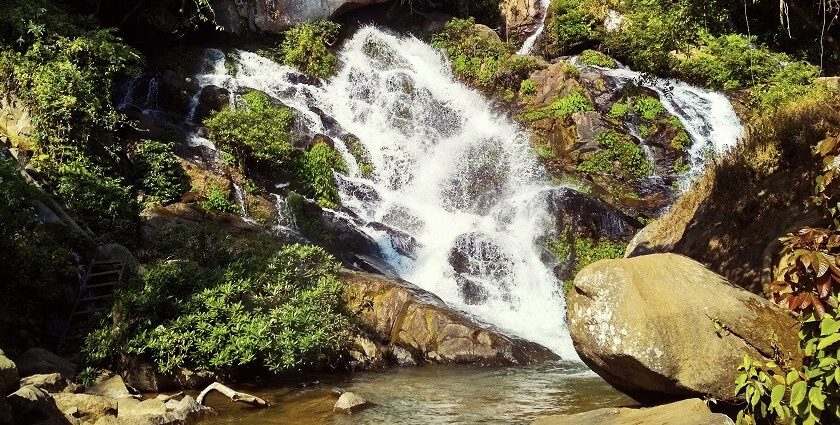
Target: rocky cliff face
{"type": "Point", "coordinates": [238, 16]}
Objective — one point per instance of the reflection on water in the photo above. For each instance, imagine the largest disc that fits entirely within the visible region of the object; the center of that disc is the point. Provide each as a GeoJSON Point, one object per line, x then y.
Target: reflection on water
{"type": "Point", "coordinates": [439, 395]}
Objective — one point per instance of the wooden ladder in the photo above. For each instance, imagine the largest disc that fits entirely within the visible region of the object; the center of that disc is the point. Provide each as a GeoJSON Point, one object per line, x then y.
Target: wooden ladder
{"type": "Point", "coordinates": [96, 293]}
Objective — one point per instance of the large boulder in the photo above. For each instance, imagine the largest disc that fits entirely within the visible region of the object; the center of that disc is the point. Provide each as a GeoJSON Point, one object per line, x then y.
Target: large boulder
{"type": "Point", "coordinates": [40, 361]}
{"type": "Point", "coordinates": [50, 382]}
{"type": "Point", "coordinates": [686, 412]}
{"type": "Point", "coordinates": [238, 16]}
{"type": "Point", "coordinates": [9, 378]}
{"type": "Point", "coordinates": [662, 326]}
{"type": "Point", "coordinates": [403, 316]}
{"type": "Point", "coordinates": [30, 405]}
{"type": "Point", "coordinates": [86, 407]}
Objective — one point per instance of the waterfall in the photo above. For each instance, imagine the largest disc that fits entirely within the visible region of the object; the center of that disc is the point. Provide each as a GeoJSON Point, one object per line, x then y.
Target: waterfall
{"type": "Point", "coordinates": [529, 43]}
{"type": "Point", "coordinates": [457, 201]}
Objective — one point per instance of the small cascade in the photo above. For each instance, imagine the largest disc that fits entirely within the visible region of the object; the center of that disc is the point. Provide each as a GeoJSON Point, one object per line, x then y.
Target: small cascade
{"type": "Point", "coordinates": [708, 117]}
{"type": "Point", "coordinates": [241, 200]}
{"type": "Point", "coordinates": [286, 222]}
{"type": "Point", "coordinates": [531, 41]}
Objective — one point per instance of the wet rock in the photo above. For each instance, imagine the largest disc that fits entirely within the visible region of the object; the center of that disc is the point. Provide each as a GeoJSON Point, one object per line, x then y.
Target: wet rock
{"type": "Point", "coordinates": [349, 403]}
{"type": "Point", "coordinates": [30, 405]}
{"type": "Point", "coordinates": [366, 353]}
{"type": "Point", "coordinates": [686, 412]}
{"type": "Point", "coordinates": [402, 357]}
{"type": "Point", "coordinates": [40, 361]}
{"type": "Point", "coordinates": [589, 126]}
{"type": "Point", "coordinates": [588, 216]}
{"type": "Point", "coordinates": [663, 326]}
{"type": "Point", "coordinates": [210, 99]}
{"type": "Point", "coordinates": [274, 16]}
{"type": "Point", "coordinates": [402, 242]}
{"type": "Point", "coordinates": [50, 382]}
{"type": "Point", "coordinates": [87, 407]}
{"type": "Point", "coordinates": [406, 316]}
{"type": "Point", "coordinates": [478, 261]}
{"type": "Point", "coordinates": [9, 379]}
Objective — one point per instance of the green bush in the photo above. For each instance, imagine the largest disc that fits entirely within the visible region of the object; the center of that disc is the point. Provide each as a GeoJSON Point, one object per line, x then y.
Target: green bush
{"type": "Point", "coordinates": [277, 311]}
{"type": "Point", "coordinates": [596, 58]}
{"type": "Point", "coordinates": [218, 199]}
{"type": "Point", "coordinates": [160, 173]}
{"type": "Point", "coordinates": [482, 59]}
{"type": "Point", "coordinates": [102, 202]}
{"type": "Point", "coordinates": [570, 27]}
{"type": "Point", "coordinates": [649, 108]}
{"type": "Point", "coordinates": [306, 47]}
{"type": "Point", "coordinates": [315, 174]}
{"type": "Point", "coordinates": [620, 155]}
{"type": "Point", "coordinates": [258, 131]}
{"type": "Point", "coordinates": [362, 156]}
{"type": "Point", "coordinates": [736, 61]}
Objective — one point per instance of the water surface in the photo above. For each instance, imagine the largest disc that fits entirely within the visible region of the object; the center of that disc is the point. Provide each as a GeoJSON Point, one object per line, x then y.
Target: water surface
{"type": "Point", "coordinates": [434, 394]}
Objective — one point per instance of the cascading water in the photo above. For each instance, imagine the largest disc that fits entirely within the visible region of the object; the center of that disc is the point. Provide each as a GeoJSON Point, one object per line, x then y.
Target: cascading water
{"type": "Point", "coordinates": [528, 44]}
{"type": "Point", "coordinates": [708, 117]}
{"type": "Point", "coordinates": [454, 179]}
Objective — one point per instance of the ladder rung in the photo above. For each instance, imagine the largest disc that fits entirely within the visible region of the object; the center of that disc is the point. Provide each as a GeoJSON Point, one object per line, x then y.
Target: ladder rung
{"type": "Point", "coordinates": [98, 297]}
{"type": "Point", "coordinates": [105, 262]}
{"type": "Point", "coordinates": [107, 272]}
{"type": "Point", "coordinates": [100, 285]}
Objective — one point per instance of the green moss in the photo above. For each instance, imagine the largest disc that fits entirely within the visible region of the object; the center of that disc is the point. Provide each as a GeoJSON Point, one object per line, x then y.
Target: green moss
{"type": "Point", "coordinates": [527, 87]}
{"type": "Point", "coordinates": [362, 156]}
{"type": "Point", "coordinates": [596, 58]}
{"type": "Point", "coordinates": [619, 110]}
{"type": "Point", "coordinates": [620, 155]}
{"type": "Point", "coordinates": [681, 141]}
{"type": "Point", "coordinates": [571, 103]}
{"type": "Point", "coordinates": [681, 166]}
{"type": "Point", "coordinates": [649, 108]}
{"type": "Point", "coordinates": [218, 200]}
{"type": "Point", "coordinates": [306, 47]}
{"type": "Point", "coordinates": [588, 251]}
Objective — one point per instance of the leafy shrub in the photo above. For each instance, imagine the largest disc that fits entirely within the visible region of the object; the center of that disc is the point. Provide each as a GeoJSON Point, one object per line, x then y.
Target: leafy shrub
{"type": "Point", "coordinates": [161, 174]}
{"type": "Point", "coordinates": [527, 87]}
{"type": "Point", "coordinates": [482, 59]}
{"type": "Point", "coordinates": [620, 155]}
{"type": "Point", "coordinates": [619, 110]}
{"type": "Point", "coordinates": [102, 202]}
{"type": "Point", "coordinates": [315, 174]}
{"type": "Point", "coordinates": [277, 311]}
{"type": "Point", "coordinates": [654, 28]}
{"type": "Point", "coordinates": [570, 27]}
{"type": "Point", "coordinates": [218, 199]}
{"type": "Point", "coordinates": [306, 47]}
{"type": "Point", "coordinates": [596, 58]}
{"type": "Point", "coordinates": [583, 252]}
{"type": "Point", "coordinates": [649, 108]}
{"type": "Point", "coordinates": [258, 131]}
{"type": "Point", "coordinates": [362, 156]}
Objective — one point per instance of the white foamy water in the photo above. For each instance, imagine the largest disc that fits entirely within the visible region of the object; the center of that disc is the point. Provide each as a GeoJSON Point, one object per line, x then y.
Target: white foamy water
{"type": "Point", "coordinates": [528, 44]}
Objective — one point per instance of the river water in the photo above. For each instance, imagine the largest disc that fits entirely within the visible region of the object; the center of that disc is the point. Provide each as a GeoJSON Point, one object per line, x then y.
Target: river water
{"type": "Point", "coordinates": [433, 395]}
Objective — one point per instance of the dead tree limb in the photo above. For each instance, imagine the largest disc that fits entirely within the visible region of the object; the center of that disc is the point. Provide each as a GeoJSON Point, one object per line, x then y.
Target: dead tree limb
{"type": "Point", "coordinates": [233, 395]}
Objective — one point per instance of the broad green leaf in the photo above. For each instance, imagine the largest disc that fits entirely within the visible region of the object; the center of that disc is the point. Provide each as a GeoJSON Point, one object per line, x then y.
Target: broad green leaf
{"type": "Point", "coordinates": [797, 393]}
{"type": "Point", "coordinates": [792, 377]}
{"type": "Point", "coordinates": [829, 326]}
{"type": "Point", "coordinates": [776, 395]}
{"type": "Point", "coordinates": [817, 398]}
{"type": "Point", "coordinates": [829, 340]}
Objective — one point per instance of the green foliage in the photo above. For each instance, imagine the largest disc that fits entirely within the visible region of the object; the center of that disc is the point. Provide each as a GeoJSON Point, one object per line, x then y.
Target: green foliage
{"type": "Point", "coordinates": [681, 141]}
{"type": "Point", "coordinates": [362, 156]}
{"type": "Point", "coordinates": [571, 25]}
{"type": "Point", "coordinates": [596, 58]}
{"type": "Point", "coordinates": [160, 173]}
{"type": "Point", "coordinates": [218, 200]}
{"type": "Point", "coordinates": [306, 47]}
{"type": "Point", "coordinates": [315, 174]}
{"type": "Point", "coordinates": [103, 202]}
{"type": "Point", "coordinates": [36, 264]}
{"type": "Point", "coordinates": [483, 60]}
{"type": "Point", "coordinates": [258, 131]}
{"type": "Point", "coordinates": [681, 166]}
{"type": "Point", "coordinates": [654, 29]}
{"type": "Point", "coordinates": [588, 251]}
{"type": "Point", "coordinates": [619, 110]}
{"type": "Point", "coordinates": [649, 108]}
{"type": "Point", "coordinates": [808, 283]}
{"type": "Point", "coordinates": [575, 101]}
{"type": "Point", "coordinates": [275, 310]}
{"type": "Point", "coordinates": [527, 87]}
{"type": "Point", "coordinates": [619, 155]}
